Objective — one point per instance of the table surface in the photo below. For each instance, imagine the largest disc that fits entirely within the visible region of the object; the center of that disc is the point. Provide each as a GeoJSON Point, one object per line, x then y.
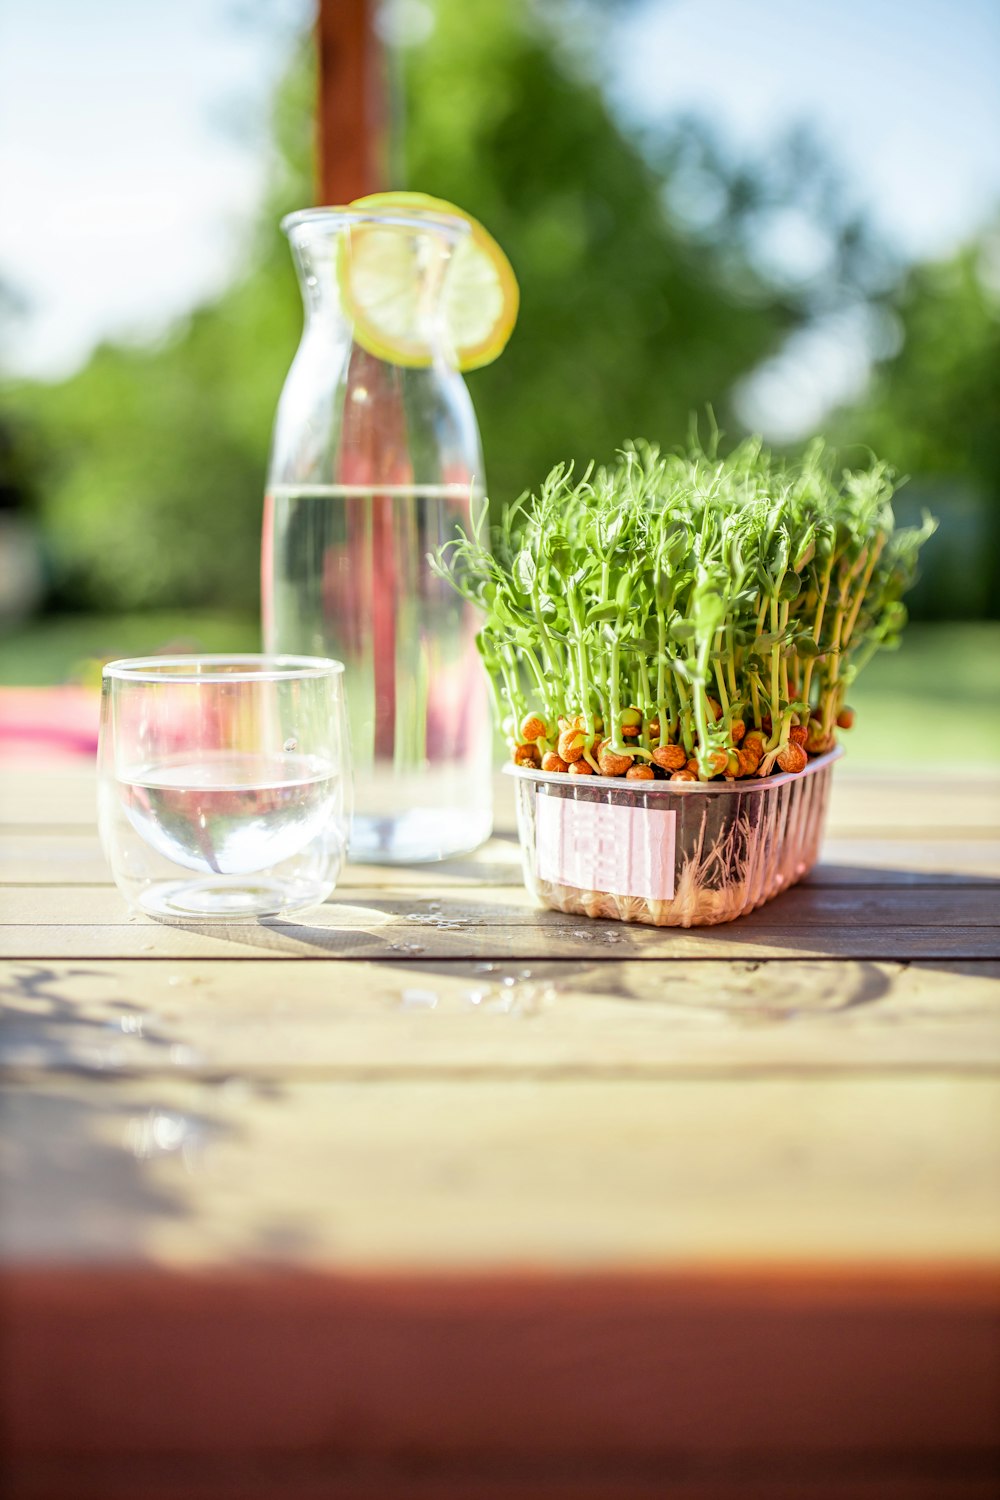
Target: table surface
{"type": "Point", "coordinates": [436, 1193]}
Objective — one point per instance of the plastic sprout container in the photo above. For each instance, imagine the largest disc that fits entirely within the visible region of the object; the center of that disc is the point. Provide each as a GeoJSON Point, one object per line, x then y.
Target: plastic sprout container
{"type": "Point", "coordinates": [673, 854]}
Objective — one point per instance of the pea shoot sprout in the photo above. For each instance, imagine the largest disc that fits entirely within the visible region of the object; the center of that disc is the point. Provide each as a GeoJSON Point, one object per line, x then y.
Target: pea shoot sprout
{"type": "Point", "coordinates": [687, 615]}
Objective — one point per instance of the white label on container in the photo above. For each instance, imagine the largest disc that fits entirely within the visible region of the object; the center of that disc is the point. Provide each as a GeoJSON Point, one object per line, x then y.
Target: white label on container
{"type": "Point", "coordinates": [628, 851]}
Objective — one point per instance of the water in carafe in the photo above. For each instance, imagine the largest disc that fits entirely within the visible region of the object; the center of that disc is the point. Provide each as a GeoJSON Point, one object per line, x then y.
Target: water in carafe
{"type": "Point", "coordinates": [375, 465]}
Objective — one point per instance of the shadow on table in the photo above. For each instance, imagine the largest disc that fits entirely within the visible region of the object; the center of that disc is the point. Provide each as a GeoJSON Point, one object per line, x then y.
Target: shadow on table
{"type": "Point", "coordinates": [851, 921]}
{"type": "Point", "coordinates": [76, 1158]}
{"type": "Point", "coordinates": [99, 1144]}
{"type": "Point", "coordinates": [84, 1163]}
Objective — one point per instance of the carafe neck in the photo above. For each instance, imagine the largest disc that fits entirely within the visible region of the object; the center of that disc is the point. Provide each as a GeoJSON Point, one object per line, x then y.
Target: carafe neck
{"type": "Point", "coordinates": [332, 248]}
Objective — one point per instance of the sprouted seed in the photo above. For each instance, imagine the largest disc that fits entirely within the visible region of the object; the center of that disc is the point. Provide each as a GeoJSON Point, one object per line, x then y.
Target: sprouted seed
{"type": "Point", "coordinates": [692, 615]}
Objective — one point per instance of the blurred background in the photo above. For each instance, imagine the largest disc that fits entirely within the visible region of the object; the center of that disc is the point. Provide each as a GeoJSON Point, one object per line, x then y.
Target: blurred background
{"type": "Point", "coordinates": [788, 210]}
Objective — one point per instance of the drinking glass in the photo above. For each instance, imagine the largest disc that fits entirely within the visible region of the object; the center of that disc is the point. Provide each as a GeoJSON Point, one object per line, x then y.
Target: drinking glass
{"type": "Point", "coordinates": [224, 783]}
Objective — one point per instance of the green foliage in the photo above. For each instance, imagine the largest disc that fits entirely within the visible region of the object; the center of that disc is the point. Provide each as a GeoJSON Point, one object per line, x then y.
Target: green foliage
{"type": "Point", "coordinates": [151, 461]}
{"type": "Point", "coordinates": [632, 594]}
{"type": "Point", "coordinates": [625, 324]}
{"type": "Point", "coordinates": [934, 410]}
{"type": "Point", "coordinates": [73, 648]}
{"type": "Point", "coordinates": [147, 468]}
{"type": "Point", "coordinates": [149, 464]}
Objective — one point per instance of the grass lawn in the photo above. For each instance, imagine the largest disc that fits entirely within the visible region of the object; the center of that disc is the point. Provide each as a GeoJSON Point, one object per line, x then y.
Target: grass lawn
{"type": "Point", "coordinates": [942, 687]}
{"type": "Point", "coordinates": [69, 648]}
{"type": "Point", "coordinates": [946, 678]}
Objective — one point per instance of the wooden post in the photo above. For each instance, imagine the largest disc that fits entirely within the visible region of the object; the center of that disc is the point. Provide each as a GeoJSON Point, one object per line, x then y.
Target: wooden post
{"type": "Point", "coordinates": [350, 115]}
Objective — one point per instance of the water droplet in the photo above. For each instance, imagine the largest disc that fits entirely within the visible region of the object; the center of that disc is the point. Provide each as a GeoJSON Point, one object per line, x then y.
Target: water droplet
{"type": "Point", "coordinates": [508, 981]}
{"type": "Point", "coordinates": [158, 1132]}
{"type": "Point", "coordinates": [176, 979]}
{"type": "Point", "coordinates": [476, 997]}
{"type": "Point", "coordinates": [106, 1057]}
{"type": "Point", "coordinates": [132, 1024]}
{"type": "Point", "coordinates": [290, 744]}
{"type": "Point", "coordinates": [485, 968]}
{"type": "Point", "coordinates": [419, 999]}
{"type": "Point", "coordinates": [524, 973]}
{"type": "Point", "coordinates": [532, 999]}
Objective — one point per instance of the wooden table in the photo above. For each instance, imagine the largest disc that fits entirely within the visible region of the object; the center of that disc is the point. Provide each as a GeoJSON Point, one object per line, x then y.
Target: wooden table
{"type": "Point", "coordinates": [434, 1194]}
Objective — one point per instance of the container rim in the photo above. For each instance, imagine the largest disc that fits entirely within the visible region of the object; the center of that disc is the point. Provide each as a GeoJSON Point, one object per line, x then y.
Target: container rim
{"type": "Point", "coordinates": [244, 666]}
{"type": "Point", "coordinates": [412, 217]}
{"type": "Point", "coordinates": [680, 788]}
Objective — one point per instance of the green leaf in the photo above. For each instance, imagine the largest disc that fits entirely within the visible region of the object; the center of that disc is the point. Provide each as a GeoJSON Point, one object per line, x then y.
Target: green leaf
{"type": "Point", "coordinates": [709, 611]}
{"type": "Point", "coordinates": [524, 571]}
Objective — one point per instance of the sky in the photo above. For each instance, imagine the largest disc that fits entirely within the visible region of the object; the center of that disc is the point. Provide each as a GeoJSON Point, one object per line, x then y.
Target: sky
{"type": "Point", "coordinates": [132, 152]}
{"type": "Point", "coordinates": [132, 142]}
{"type": "Point", "coordinates": [903, 94]}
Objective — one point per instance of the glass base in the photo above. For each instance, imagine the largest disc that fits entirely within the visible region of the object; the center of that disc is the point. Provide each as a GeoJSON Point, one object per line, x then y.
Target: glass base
{"type": "Point", "coordinates": [222, 898]}
{"type": "Point", "coordinates": [417, 837]}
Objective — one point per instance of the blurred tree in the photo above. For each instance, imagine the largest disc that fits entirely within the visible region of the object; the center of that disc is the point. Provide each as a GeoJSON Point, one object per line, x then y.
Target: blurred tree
{"type": "Point", "coordinates": [933, 410]}
{"type": "Point", "coordinates": [17, 469]}
{"type": "Point", "coordinates": [149, 462]}
{"type": "Point", "coordinates": [631, 318]}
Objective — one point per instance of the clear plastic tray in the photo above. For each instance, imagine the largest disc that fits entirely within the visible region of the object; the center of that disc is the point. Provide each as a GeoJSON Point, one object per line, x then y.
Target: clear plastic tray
{"type": "Point", "coordinates": [674, 854]}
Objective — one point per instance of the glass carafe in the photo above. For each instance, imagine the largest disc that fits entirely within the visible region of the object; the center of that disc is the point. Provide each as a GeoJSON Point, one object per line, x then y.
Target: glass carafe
{"type": "Point", "coordinates": [375, 463]}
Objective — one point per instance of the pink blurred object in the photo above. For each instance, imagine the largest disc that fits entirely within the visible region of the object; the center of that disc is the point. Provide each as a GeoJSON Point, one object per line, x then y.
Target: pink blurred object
{"type": "Point", "coordinates": [46, 724]}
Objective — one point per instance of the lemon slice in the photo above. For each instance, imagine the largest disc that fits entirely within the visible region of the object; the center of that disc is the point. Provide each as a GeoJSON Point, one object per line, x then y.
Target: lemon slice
{"type": "Point", "coordinates": [383, 285]}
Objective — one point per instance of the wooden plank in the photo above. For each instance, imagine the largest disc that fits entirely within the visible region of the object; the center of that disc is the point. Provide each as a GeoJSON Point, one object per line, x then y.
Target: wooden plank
{"type": "Point", "coordinates": [377, 908]}
{"type": "Point", "coordinates": [450, 1175]}
{"type": "Point", "coordinates": [48, 799]}
{"type": "Point", "coordinates": [882, 922]}
{"type": "Point", "coordinates": [351, 114]}
{"type": "Point", "coordinates": [75, 857]}
{"type": "Point", "coordinates": [696, 1387]}
{"type": "Point", "coordinates": [863, 861]}
{"type": "Point", "coordinates": [606, 1020]}
{"type": "Point", "coordinates": [521, 943]}
{"type": "Point", "coordinates": [787, 1148]}
{"type": "Point", "coordinates": [71, 857]}
{"type": "Point", "coordinates": [862, 805]}
{"type": "Point", "coordinates": [948, 1475]}
{"type": "Point", "coordinates": [871, 805]}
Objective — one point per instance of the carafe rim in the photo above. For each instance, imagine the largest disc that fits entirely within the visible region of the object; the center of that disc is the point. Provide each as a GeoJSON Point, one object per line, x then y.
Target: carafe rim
{"type": "Point", "coordinates": [337, 217]}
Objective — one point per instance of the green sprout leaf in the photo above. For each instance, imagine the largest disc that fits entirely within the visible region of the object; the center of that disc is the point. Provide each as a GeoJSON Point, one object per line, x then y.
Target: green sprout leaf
{"type": "Point", "coordinates": [698, 587]}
